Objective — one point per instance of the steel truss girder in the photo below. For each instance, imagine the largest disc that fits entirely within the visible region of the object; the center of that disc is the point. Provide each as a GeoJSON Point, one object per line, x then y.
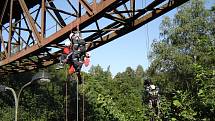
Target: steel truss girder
{"type": "Point", "coordinates": [37, 53]}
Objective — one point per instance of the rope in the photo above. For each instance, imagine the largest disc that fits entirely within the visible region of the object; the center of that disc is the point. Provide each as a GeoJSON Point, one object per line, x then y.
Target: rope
{"type": "Point", "coordinates": [78, 30]}
{"type": "Point", "coordinates": [78, 22]}
{"type": "Point", "coordinates": [66, 93]}
{"type": "Point", "coordinates": [83, 101]}
{"type": "Point", "coordinates": [77, 95]}
{"type": "Point", "coordinates": [78, 17]}
{"type": "Point", "coordinates": [147, 35]}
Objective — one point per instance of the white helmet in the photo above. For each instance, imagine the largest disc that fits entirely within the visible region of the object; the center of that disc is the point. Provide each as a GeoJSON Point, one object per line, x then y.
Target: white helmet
{"type": "Point", "coordinates": [71, 35]}
{"type": "Point", "coordinates": [152, 86]}
{"type": "Point", "coordinates": [67, 43]}
{"type": "Point", "coordinates": [74, 36]}
{"type": "Point", "coordinates": [77, 34]}
{"type": "Point", "coordinates": [87, 54]}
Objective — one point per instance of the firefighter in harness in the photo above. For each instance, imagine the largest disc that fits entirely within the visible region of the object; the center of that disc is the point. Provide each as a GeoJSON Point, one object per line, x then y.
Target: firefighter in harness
{"type": "Point", "coordinates": [77, 55]}
{"type": "Point", "coordinates": [152, 94]}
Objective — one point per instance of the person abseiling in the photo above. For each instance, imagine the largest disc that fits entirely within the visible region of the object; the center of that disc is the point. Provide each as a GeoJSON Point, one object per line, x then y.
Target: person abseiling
{"type": "Point", "coordinates": [152, 93]}
{"type": "Point", "coordinates": [74, 54]}
{"type": "Point", "coordinates": [78, 54]}
{"type": "Point", "coordinates": [152, 97]}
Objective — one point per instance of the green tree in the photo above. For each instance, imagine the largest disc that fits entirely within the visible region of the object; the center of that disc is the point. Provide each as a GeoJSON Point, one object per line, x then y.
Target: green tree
{"type": "Point", "coordinates": [139, 73]}
{"type": "Point", "coordinates": [183, 60]}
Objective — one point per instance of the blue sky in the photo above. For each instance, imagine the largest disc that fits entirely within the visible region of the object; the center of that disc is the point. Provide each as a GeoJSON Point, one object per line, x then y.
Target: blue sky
{"type": "Point", "coordinates": [130, 50]}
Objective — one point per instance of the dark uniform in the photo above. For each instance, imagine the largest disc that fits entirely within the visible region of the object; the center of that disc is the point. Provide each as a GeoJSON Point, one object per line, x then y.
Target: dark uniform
{"type": "Point", "coordinates": [78, 53]}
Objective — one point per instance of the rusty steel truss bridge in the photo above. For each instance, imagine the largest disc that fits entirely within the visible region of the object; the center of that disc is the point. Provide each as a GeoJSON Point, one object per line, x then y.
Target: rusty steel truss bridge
{"type": "Point", "coordinates": [32, 31]}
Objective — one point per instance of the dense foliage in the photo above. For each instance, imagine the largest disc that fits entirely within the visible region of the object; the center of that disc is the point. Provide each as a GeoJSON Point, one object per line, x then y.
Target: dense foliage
{"type": "Point", "coordinates": [183, 66]}
{"type": "Point", "coordinates": [183, 62]}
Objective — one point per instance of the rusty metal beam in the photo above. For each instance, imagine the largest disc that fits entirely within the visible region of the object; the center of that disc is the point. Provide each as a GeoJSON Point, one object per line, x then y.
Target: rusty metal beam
{"type": "Point", "coordinates": [20, 37]}
{"type": "Point", "coordinates": [115, 11]}
{"type": "Point", "coordinates": [37, 14]}
{"type": "Point", "coordinates": [30, 33]}
{"type": "Point", "coordinates": [88, 8]}
{"type": "Point", "coordinates": [126, 9]}
{"type": "Point", "coordinates": [137, 23]}
{"type": "Point", "coordinates": [10, 29]}
{"type": "Point", "coordinates": [99, 30]}
{"type": "Point", "coordinates": [59, 17]}
{"type": "Point", "coordinates": [19, 33]}
{"type": "Point", "coordinates": [132, 4]}
{"type": "Point", "coordinates": [76, 12]}
{"type": "Point", "coordinates": [115, 18]}
{"type": "Point", "coordinates": [24, 17]}
{"type": "Point", "coordinates": [94, 6]}
{"type": "Point", "coordinates": [61, 11]}
{"type": "Point", "coordinates": [24, 29]}
{"type": "Point", "coordinates": [13, 36]}
{"type": "Point", "coordinates": [43, 19]}
{"type": "Point", "coordinates": [30, 20]}
{"type": "Point", "coordinates": [57, 22]}
{"type": "Point", "coordinates": [3, 11]}
{"type": "Point", "coordinates": [96, 35]}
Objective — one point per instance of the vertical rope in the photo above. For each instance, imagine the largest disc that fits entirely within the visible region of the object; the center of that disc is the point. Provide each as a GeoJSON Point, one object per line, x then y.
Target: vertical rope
{"type": "Point", "coordinates": [147, 34]}
{"type": "Point", "coordinates": [78, 29]}
{"type": "Point", "coordinates": [77, 95]}
{"type": "Point", "coordinates": [66, 93]}
{"type": "Point", "coordinates": [78, 17]}
{"type": "Point", "coordinates": [83, 100]}
{"type": "Point", "coordinates": [78, 22]}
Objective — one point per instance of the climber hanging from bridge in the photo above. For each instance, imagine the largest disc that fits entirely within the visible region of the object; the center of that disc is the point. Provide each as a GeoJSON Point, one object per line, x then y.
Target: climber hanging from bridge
{"type": "Point", "coordinates": [76, 55]}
